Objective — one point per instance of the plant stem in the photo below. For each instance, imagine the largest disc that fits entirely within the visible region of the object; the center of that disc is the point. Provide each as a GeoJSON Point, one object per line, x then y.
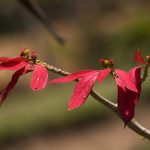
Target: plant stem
{"type": "Point", "coordinates": [145, 73]}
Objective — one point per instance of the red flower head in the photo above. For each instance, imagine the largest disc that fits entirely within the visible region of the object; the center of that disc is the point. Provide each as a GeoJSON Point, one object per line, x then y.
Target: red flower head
{"type": "Point", "coordinates": [128, 83]}
{"type": "Point", "coordinates": [26, 62]}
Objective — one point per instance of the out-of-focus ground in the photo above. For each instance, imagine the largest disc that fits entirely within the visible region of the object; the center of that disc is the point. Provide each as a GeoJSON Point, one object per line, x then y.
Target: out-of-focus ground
{"type": "Point", "coordinates": [107, 135]}
{"type": "Point", "coordinates": [92, 29]}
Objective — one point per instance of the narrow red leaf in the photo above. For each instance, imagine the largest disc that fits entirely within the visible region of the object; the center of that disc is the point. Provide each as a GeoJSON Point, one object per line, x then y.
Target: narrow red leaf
{"type": "Point", "coordinates": [82, 90]}
{"type": "Point", "coordinates": [7, 59]}
{"type": "Point", "coordinates": [39, 78]}
{"type": "Point", "coordinates": [12, 65]}
{"type": "Point", "coordinates": [138, 57]}
{"type": "Point", "coordinates": [103, 74]}
{"type": "Point", "coordinates": [11, 84]}
{"type": "Point", "coordinates": [73, 76]}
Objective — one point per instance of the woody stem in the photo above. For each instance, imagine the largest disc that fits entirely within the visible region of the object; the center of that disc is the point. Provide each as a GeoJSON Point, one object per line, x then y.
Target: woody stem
{"type": "Point", "coordinates": [133, 124]}
{"type": "Point", "coordinates": [145, 73]}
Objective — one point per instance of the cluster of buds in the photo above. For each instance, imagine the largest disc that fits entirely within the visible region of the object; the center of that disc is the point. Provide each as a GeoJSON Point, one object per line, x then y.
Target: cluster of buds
{"type": "Point", "coordinates": [148, 59]}
{"type": "Point", "coordinates": [107, 63]}
{"type": "Point", "coordinates": [29, 55]}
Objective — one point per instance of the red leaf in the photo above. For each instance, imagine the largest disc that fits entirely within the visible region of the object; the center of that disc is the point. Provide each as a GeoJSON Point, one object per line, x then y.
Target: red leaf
{"type": "Point", "coordinates": [39, 78]}
{"type": "Point", "coordinates": [103, 74]}
{"type": "Point", "coordinates": [12, 65]}
{"type": "Point", "coordinates": [138, 57]}
{"type": "Point", "coordinates": [127, 97]}
{"type": "Point", "coordinates": [126, 104]}
{"type": "Point", "coordinates": [73, 76]}
{"type": "Point", "coordinates": [11, 84]}
{"type": "Point", "coordinates": [7, 59]}
{"type": "Point", "coordinates": [120, 83]}
{"type": "Point", "coordinates": [135, 75]}
{"type": "Point", "coordinates": [82, 90]}
{"type": "Point", "coordinates": [126, 101]}
{"type": "Point", "coordinates": [127, 81]}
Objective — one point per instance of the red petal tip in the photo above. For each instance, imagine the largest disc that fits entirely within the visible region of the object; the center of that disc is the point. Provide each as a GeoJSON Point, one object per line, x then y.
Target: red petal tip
{"type": "Point", "coordinates": [138, 57]}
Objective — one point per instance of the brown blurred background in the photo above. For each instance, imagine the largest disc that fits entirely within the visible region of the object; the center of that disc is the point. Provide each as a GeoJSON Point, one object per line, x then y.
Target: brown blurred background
{"type": "Point", "coordinates": [92, 30]}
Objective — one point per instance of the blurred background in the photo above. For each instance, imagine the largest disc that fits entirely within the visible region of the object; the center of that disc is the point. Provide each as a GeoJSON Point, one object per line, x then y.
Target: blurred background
{"type": "Point", "coordinates": [91, 29]}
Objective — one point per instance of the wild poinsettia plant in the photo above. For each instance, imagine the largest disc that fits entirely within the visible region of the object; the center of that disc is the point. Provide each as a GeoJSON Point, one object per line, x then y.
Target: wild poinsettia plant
{"type": "Point", "coordinates": [128, 83]}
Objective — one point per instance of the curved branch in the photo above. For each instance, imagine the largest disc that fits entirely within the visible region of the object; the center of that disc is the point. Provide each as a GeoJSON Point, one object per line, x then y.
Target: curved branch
{"type": "Point", "coordinates": [133, 124]}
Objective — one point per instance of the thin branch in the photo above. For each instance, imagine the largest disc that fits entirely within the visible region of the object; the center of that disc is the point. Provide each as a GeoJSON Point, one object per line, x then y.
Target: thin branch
{"type": "Point", "coordinates": [145, 73]}
{"type": "Point", "coordinates": [34, 8]}
{"type": "Point", "coordinates": [133, 124]}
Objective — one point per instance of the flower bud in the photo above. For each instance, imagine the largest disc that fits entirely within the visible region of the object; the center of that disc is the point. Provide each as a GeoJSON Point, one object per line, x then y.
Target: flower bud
{"type": "Point", "coordinates": [148, 58]}
{"type": "Point", "coordinates": [107, 63]}
{"type": "Point", "coordinates": [24, 52]}
{"type": "Point", "coordinates": [33, 55]}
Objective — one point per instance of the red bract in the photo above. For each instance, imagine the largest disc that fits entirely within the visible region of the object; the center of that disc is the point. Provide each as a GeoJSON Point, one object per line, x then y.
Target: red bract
{"type": "Point", "coordinates": [83, 88]}
{"type": "Point", "coordinates": [23, 65]}
{"type": "Point", "coordinates": [138, 57]}
{"type": "Point", "coordinates": [39, 78]}
{"type": "Point", "coordinates": [128, 84]}
{"type": "Point", "coordinates": [127, 96]}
